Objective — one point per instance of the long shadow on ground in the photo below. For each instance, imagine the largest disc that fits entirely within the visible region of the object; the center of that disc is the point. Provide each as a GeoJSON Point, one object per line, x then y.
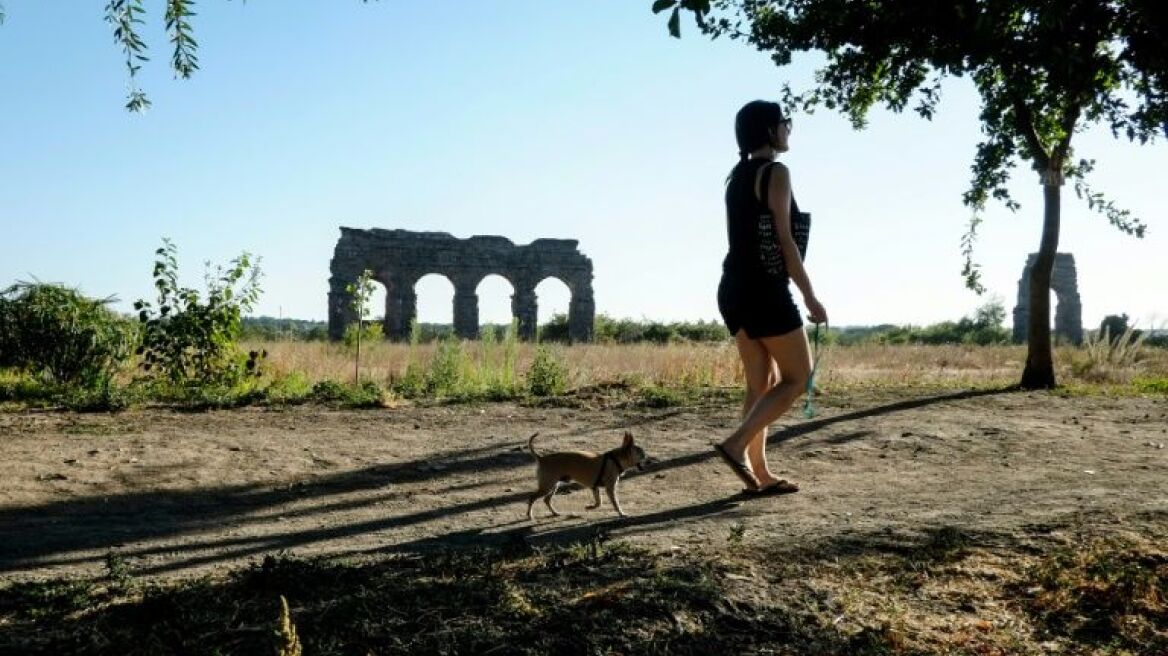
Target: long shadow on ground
{"type": "Point", "coordinates": [58, 533]}
{"type": "Point", "coordinates": [597, 598]}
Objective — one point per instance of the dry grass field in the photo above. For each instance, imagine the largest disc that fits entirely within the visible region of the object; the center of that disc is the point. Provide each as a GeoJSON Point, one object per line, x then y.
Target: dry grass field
{"type": "Point", "coordinates": [940, 513]}
{"type": "Point", "coordinates": [717, 365]}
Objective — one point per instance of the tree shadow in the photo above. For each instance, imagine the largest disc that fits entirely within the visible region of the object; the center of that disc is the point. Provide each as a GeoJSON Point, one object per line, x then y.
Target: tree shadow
{"type": "Point", "coordinates": [71, 531]}
{"type": "Point", "coordinates": [561, 596]}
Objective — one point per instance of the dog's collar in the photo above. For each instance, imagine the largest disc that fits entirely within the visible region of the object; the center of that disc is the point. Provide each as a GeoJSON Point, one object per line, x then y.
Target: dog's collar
{"type": "Point", "coordinates": [608, 456]}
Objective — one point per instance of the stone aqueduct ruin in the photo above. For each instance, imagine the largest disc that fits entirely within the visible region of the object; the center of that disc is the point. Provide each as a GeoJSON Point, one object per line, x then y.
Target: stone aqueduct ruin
{"type": "Point", "coordinates": [399, 258]}
{"type": "Point", "coordinates": [1068, 314]}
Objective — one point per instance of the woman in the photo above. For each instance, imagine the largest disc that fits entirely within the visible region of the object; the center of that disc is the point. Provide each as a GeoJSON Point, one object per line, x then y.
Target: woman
{"type": "Point", "coordinates": [754, 297]}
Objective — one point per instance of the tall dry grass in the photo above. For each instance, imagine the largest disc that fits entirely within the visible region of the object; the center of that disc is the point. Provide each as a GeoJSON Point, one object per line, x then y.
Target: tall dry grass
{"type": "Point", "coordinates": [717, 365]}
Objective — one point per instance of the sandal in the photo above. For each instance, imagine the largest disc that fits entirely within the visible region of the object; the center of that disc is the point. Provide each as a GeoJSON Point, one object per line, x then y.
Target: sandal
{"type": "Point", "coordinates": [780, 487]}
{"type": "Point", "coordinates": [744, 474]}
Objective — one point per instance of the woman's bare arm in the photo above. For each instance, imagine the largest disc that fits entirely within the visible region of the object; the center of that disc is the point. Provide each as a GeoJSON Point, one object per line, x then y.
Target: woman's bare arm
{"type": "Point", "coordinates": [779, 197]}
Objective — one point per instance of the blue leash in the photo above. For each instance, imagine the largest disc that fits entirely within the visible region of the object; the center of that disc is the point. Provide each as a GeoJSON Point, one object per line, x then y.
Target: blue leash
{"type": "Point", "coordinates": [808, 403]}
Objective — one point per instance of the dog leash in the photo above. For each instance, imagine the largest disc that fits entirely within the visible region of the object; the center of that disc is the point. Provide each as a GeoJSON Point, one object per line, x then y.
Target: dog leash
{"type": "Point", "coordinates": [808, 401]}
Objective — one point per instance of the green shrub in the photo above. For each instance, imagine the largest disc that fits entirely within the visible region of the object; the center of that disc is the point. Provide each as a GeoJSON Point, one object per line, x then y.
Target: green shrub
{"type": "Point", "coordinates": [984, 328]}
{"type": "Point", "coordinates": [656, 396]}
{"type": "Point", "coordinates": [367, 394]}
{"type": "Point", "coordinates": [548, 375]}
{"type": "Point", "coordinates": [291, 388]}
{"type": "Point", "coordinates": [107, 398]}
{"type": "Point", "coordinates": [412, 384]}
{"type": "Point", "coordinates": [447, 369]}
{"type": "Point", "coordinates": [25, 389]}
{"type": "Point", "coordinates": [188, 339]}
{"type": "Point", "coordinates": [53, 331]}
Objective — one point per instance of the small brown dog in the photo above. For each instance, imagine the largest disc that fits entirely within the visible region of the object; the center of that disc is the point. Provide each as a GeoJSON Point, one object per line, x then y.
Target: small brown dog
{"type": "Point", "coordinates": [586, 468]}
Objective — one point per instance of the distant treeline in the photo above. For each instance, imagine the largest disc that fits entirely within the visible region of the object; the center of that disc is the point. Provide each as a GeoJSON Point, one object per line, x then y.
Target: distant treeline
{"type": "Point", "coordinates": [986, 326]}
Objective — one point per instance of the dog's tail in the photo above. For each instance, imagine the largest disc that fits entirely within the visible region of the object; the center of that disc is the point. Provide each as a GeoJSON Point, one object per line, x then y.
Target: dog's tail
{"type": "Point", "coordinates": [531, 445]}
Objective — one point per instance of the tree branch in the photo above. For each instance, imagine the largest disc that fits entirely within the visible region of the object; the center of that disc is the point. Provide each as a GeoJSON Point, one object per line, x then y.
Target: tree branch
{"type": "Point", "coordinates": [1024, 122]}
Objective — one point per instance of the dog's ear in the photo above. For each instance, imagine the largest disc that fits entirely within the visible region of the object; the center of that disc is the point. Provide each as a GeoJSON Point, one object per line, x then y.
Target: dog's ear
{"type": "Point", "coordinates": [628, 440]}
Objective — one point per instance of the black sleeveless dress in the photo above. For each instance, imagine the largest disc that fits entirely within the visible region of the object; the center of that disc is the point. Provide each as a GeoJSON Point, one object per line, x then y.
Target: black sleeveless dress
{"type": "Point", "coordinates": [754, 294]}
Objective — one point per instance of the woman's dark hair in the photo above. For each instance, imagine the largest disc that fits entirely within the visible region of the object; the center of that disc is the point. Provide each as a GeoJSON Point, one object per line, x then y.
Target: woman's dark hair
{"type": "Point", "coordinates": [753, 125]}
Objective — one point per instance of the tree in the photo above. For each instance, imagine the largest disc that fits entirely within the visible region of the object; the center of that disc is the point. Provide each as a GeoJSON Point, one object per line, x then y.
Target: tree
{"type": "Point", "coordinates": [1045, 70]}
{"type": "Point", "coordinates": [359, 293]}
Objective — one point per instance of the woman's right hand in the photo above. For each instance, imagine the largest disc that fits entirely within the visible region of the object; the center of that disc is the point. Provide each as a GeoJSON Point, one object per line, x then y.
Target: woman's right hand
{"type": "Point", "coordinates": [815, 311]}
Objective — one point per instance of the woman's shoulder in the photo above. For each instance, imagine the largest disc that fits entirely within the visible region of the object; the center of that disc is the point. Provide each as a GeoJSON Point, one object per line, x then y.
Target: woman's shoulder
{"type": "Point", "coordinates": [780, 175]}
{"type": "Point", "coordinates": [780, 168]}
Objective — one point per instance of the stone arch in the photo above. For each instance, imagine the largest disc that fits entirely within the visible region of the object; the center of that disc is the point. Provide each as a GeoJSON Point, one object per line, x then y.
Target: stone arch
{"type": "Point", "coordinates": [491, 288]}
{"type": "Point", "coordinates": [399, 258]}
{"type": "Point", "coordinates": [431, 283]}
{"type": "Point", "coordinates": [1068, 314]}
{"type": "Point", "coordinates": [551, 287]}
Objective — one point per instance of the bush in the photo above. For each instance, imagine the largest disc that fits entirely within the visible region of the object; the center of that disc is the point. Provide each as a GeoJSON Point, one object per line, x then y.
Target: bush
{"type": "Point", "coordinates": [656, 396]}
{"type": "Point", "coordinates": [447, 369]}
{"type": "Point", "coordinates": [367, 394]}
{"type": "Point", "coordinates": [412, 384]}
{"type": "Point", "coordinates": [555, 330]}
{"type": "Point", "coordinates": [291, 388]}
{"type": "Point", "coordinates": [189, 340]}
{"type": "Point", "coordinates": [53, 331]}
{"type": "Point", "coordinates": [984, 328]}
{"type": "Point", "coordinates": [548, 376]}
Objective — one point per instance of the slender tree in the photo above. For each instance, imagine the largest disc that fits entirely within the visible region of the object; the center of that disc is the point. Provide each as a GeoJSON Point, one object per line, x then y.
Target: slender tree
{"type": "Point", "coordinates": [360, 291]}
{"type": "Point", "coordinates": [1045, 70]}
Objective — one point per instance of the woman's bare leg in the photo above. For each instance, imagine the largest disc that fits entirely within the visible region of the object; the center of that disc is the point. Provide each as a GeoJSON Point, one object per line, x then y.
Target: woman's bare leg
{"type": "Point", "coordinates": [761, 374]}
{"type": "Point", "coordinates": [793, 356]}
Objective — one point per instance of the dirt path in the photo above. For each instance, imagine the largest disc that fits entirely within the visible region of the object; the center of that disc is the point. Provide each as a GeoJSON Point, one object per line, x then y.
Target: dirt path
{"type": "Point", "coordinates": [176, 493]}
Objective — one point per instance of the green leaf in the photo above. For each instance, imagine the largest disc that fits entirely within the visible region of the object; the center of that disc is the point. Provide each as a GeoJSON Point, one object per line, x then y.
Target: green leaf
{"type": "Point", "coordinates": [661, 5]}
{"type": "Point", "coordinates": [675, 24]}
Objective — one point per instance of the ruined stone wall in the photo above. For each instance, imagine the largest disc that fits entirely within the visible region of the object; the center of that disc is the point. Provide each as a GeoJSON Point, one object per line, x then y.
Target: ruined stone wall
{"type": "Point", "coordinates": [399, 258]}
{"type": "Point", "coordinates": [1068, 315]}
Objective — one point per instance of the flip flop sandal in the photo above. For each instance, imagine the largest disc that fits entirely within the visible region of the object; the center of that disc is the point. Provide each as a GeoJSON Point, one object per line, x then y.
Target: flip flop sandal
{"type": "Point", "coordinates": [745, 475]}
{"type": "Point", "coordinates": [781, 487]}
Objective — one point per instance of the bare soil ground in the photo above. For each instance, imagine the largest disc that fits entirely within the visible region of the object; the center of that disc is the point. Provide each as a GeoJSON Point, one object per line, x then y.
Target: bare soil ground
{"type": "Point", "coordinates": [176, 493]}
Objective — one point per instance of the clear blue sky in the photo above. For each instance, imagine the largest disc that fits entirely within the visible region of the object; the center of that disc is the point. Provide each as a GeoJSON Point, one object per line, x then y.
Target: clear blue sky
{"type": "Point", "coordinates": [526, 118]}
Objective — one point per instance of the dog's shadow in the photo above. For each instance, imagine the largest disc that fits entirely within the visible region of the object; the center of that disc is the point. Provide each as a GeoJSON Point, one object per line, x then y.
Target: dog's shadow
{"type": "Point", "coordinates": [567, 528]}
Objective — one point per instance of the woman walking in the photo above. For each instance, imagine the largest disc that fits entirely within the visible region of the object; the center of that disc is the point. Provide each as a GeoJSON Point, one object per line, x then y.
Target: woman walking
{"type": "Point", "coordinates": [768, 239]}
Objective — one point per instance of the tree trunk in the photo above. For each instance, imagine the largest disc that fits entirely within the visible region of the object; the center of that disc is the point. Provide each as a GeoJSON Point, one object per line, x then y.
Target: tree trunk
{"type": "Point", "coordinates": [357, 361]}
{"type": "Point", "coordinates": [1039, 371]}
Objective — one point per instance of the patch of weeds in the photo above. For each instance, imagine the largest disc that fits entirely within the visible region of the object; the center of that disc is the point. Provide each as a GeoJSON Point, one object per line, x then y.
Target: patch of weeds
{"type": "Point", "coordinates": [1151, 385]}
{"type": "Point", "coordinates": [289, 389]}
{"type": "Point", "coordinates": [31, 392]}
{"type": "Point", "coordinates": [197, 397]}
{"type": "Point", "coordinates": [368, 394]}
{"type": "Point", "coordinates": [548, 375]}
{"type": "Point", "coordinates": [44, 600]}
{"type": "Point", "coordinates": [412, 384]}
{"type": "Point", "coordinates": [117, 572]}
{"type": "Point", "coordinates": [1104, 592]}
{"type": "Point", "coordinates": [500, 390]}
{"type": "Point", "coordinates": [656, 396]}
{"type": "Point", "coordinates": [25, 389]}
{"type": "Point", "coordinates": [221, 397]}
{"type": "Point", "coordinates": [737, 533]}
{"type": "Point", "coordinates": [110, 398]}
{"type": "Point", "coordinates": [447, 369]}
